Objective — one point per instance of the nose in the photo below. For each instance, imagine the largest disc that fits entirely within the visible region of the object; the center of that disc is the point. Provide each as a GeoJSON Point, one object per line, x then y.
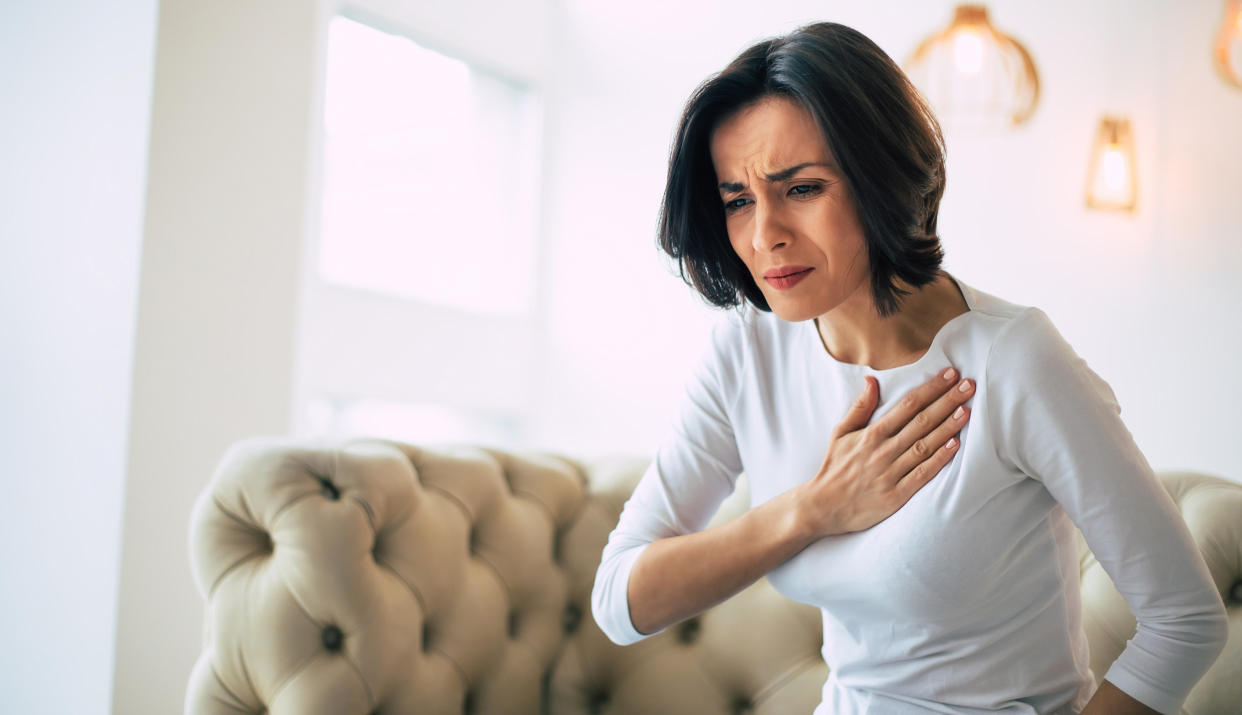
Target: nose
{"type": "Point", "coordinates": [770, 230]}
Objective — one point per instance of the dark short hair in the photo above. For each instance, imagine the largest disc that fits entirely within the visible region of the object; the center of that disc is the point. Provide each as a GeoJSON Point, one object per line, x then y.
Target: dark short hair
{"type": "Point", "coordinates": [878, 127]}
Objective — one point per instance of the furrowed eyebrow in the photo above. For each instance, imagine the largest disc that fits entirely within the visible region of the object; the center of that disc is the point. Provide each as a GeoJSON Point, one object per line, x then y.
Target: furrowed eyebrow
{"type": "Point", "coordinates": [782, 175]}
{"type": "Point", "coordinates": [787, 173]}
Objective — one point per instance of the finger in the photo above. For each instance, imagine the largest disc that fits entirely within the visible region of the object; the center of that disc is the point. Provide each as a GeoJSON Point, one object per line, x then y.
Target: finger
{"type": "Point", "coordinates": [859, 413]}
{"type": "Point", "coordinates": [932, 416]}
{"type": "Point", "coordinates": [895, 419]}
{"type": "Point", "coordinates": [923, 472]}
{"type": "Point", "coordinates": [932, 446]}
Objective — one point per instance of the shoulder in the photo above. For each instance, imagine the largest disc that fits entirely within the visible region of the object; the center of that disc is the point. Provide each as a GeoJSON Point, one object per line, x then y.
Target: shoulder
{"type": "Point", "coordinates": [749, 345]}
{"type": "Point", "coordinates": [1029, 346]}
{"type": "Point", "coordinates": [1018, 337]}
{"type": "Point", "coordinates": [1024, 349]}
{"type": "Point", "coordinates": [743, 331]}
{"type": "Point", "coordinates": [1029, 359]}
{"type": "Point", "coordinates": [721, 357]}
{"type": "Point", "coordinates": [993, 310]}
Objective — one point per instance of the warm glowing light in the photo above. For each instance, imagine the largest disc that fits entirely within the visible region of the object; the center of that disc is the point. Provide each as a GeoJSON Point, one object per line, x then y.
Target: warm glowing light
{"type": "Point", "coordinates": [1114, 169]}
{"type": "Point", "coordinates": [968, 51]}
{"type": "Point", "coordinates": [1111, 179]}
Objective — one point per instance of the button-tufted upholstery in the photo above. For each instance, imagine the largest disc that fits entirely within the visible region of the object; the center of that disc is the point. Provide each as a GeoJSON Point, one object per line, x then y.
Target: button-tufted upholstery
{"type": "Point", "coordinates": [377, 577]}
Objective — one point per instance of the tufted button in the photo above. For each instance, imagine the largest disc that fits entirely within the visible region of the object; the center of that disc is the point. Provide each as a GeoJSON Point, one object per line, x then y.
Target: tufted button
{"type": "Point", "coordinates": [1237, 591]}
{"type": "Point", "coordinates": [572, 618]}
{"type": "Point", "coordinates": [328, 489]}
{"type": "Point", "coordinates": [742, 706]}
{"type": "Point", "coordinates": [598, 702]}
{"type": "Point", "coordinates": [332, 638]}
{"type": "Point", "coordinates": [688, 632]}
{"type": "Point", "coordinates": [467, 703]}
{"type": "Point", "coordinates": [473, 538]}
{"type": "Point", "coordinates": [556, 547]}
{"type": "Point", "coordinates": [513, 624]}
{"type": "Point", "coordinates": [426, 636]}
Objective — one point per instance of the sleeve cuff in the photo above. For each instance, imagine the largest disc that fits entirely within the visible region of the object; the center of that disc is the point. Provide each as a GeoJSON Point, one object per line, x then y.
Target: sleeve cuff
{"type": "Point", "coordinates": [610, 602]}
{"type": "Point", "coordinates": [1141, 690]}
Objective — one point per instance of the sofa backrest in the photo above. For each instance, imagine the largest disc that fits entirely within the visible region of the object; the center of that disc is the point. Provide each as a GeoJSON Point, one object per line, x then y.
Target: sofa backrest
{"type": "Point", "coordinates": [372, 576]}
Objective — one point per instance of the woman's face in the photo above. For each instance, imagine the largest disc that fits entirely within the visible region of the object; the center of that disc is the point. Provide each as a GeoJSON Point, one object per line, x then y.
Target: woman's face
{"type": "Point", "coordinates": [788, 207]}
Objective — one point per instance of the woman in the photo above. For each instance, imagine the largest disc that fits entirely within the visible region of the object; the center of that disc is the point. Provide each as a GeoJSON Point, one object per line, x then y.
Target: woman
{"type": "Point", "coordinates": [936, 538]}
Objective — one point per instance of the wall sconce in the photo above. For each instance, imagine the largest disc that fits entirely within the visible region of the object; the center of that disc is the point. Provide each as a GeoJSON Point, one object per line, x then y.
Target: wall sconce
{"type": "Point", "coordinates": [1111, 180]}
{"type": "Point", "coordinates": [1228, 51]}
{"type": "Point", "coordinates": [972, 72]}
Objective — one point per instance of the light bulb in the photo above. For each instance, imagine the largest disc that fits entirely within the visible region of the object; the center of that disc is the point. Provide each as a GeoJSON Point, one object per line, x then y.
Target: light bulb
{"type": "Point", "coordinates": [968, 51]}
{"type": "Point", "coordinates": [1113, 169]}
{"type": "Point", "coordinates": [1111, 180]}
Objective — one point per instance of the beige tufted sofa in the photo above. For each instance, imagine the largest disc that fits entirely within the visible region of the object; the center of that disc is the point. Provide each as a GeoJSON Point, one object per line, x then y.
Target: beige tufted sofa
{"type": "Point", "coordinates": [371, 576]}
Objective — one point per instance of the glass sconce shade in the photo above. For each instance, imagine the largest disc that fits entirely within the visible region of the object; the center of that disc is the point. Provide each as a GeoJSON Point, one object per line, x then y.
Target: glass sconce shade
{"type": "Point", "coordinates": [1111, 175]}
{"type": "Point", "coordinates": [1228, 50]}
{"type": "Point", "coordinates": [974, 74]}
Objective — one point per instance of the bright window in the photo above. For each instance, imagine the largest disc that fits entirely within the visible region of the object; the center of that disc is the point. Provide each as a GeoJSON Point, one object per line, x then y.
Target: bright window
{"type": "Point", "coordinates": [429, 175]}
{"type": "Point", "coordinates": [418, 318]}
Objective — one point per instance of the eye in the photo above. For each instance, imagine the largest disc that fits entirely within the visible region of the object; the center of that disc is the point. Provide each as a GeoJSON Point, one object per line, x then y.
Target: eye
{"type": "Point", "coordinates": [805, 189]}
{"type": "Point", "coordinates": [734, 205]}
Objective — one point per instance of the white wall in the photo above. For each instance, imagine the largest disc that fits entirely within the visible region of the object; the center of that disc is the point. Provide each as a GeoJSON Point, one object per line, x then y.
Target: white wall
{"type": "Point", "coordinates": [1147, 299]}
{"type": "Point", "coordinates": [75, 97]}
{"type": "Point", "coordinates": [217, 305]}
{"type": "Point", "coordinates": [1192, 328]}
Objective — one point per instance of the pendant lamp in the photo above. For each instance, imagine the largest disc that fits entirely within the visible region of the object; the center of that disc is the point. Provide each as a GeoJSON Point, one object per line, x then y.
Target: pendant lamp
{"type": "Point", "coordinates": [1228, 51]}
{"type": "Point", "coordinates": [972, 73]}
{"type": "Point", "coordinates": [1111, 180]}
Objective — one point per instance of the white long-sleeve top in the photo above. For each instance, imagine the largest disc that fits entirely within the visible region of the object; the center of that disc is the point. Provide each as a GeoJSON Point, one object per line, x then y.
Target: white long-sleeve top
{"type": "Point", "coordinates": [966, 600]}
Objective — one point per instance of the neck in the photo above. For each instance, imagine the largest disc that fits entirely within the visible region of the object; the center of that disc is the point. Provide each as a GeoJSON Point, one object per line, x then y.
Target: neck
{"type": "Point", "coordinates": [854, 332]}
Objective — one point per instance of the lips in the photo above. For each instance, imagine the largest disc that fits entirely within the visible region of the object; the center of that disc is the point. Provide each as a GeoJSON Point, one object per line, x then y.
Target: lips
{"type": "Point", "coordinates": [788, 280]}
{"type": "Point", "coordinates": [784, 271]}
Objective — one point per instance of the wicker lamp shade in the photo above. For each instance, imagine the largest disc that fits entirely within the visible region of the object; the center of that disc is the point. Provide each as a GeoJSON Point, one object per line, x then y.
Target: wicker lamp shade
{"type": "Point", "coordinates": [1228, 49]}
{"type": "Point", "coordinates": [974, 74]}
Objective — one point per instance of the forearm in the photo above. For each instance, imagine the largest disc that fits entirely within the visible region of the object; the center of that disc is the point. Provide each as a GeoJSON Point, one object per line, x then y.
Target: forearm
{"type": "Point", "coordinates": [1111, 700]}
{"type": "Point", "coordinates": [681, 576]}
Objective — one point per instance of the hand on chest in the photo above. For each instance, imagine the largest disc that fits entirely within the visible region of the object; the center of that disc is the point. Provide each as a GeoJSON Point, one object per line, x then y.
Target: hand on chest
{"type": "Point", "coordinates": [930, 560]}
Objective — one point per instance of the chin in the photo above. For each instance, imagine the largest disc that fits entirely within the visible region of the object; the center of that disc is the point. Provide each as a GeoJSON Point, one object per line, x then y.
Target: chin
{"type": "Point", "coordinates": [789, 310]}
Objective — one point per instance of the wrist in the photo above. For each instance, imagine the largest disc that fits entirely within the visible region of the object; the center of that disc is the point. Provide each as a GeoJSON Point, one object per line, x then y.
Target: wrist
{"type": "Point", "coordinates": [818, 509]}
{"type": "Point", "coordinates": [800, 523]}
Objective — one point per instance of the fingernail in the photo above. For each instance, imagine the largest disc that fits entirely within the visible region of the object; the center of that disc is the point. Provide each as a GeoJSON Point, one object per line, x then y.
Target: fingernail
{"type": "Point", "coordinates": [965, 386]}
{"type": "Point", "coordinates": [957, 414]}
{"type": "Point", "coordinates": [951, 444]}
{"type": "Point", "coordinates": [949, 374]}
